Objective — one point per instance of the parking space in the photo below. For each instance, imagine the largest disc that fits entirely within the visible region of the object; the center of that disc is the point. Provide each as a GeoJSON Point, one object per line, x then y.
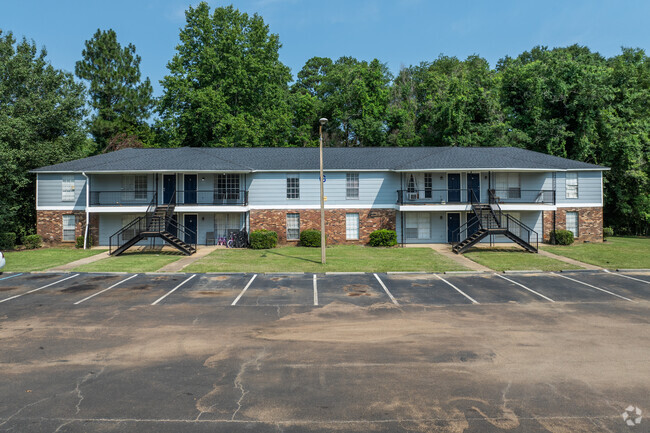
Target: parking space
{"type": "Point", "coordinates": [490, 289]}
{"type": "Point", "coordinates": [423, 289]}
{"type": "Point", "coordinates": [357, 289]}
{"type": "Point", "coordinates": [278, 289]}
{"type": "Point", "coordinates": [210, 289]}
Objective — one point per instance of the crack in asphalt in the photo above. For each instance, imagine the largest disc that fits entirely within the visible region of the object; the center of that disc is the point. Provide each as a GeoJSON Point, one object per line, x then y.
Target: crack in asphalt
{"type": "Point", "coordinates": [21, 409]}
{"type": "Point", "coordinates": [83, 380]}
{"type": "Point", "coordinates": [238, 379]}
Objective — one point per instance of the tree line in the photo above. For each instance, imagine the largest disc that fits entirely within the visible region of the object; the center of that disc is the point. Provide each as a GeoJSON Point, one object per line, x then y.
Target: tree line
{"type": "Point", "coordinates": [226, 86]}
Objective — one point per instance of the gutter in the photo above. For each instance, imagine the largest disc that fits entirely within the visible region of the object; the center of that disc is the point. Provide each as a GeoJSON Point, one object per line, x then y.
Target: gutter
{"type": "Point", "coordinates": [87, 211]}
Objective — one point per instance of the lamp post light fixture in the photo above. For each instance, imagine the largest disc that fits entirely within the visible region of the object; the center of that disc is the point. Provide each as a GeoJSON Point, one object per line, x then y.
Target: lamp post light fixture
{"type": "Point", "coordinates": [323, 122]}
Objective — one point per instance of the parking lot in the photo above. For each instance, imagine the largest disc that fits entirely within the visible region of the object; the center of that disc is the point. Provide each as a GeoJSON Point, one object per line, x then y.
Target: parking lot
{"type": "Point", "coordinates": [393, 352]}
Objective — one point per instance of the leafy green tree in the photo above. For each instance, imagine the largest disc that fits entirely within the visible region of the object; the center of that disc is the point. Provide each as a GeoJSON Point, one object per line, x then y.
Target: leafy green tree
{"type": "Point", "coordinates": [41, 113]}
{"type": "Point", "coordinates": [226, 85]}
{"type": "Point", "coordinates": [121, 101]}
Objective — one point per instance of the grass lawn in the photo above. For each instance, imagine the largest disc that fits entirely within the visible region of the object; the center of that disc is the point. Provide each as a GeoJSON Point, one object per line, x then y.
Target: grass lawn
{"type": "Point", "coordinates": [617, 252]}
{"type": "Point", "coordinates": [339, 259]}
{"type": "Point", "coordinates": [511, 259]}
{"type": "Point", "coordinates": [44, 258]}
{"type": "Point", "coordinates": [137, 261]}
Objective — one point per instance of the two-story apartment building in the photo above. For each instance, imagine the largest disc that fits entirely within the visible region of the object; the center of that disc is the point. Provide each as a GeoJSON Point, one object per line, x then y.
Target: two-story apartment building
{"type": "Point", "coordinates": [426, 194]}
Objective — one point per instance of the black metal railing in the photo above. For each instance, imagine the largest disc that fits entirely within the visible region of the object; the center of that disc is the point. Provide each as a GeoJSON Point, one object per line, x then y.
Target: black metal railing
{"type": "Point", "coordinates": [121, 198]}
{"type": "Point", "coordinates": [464, 195]}
{"type": "Point", "coordinates": [521, 230]}
{"type": "Point", "coordinates": [518, 195]}
{"type": "Point", "coordinates": [126, 233]}
{"type": "Point", "coordinates": [181, 232]}
{"type": "Point", "coordinates": [181, 197]}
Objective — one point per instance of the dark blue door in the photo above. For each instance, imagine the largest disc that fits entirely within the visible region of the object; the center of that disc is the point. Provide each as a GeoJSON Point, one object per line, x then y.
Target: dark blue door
{"type": "Point", "coordinates": [474, 186]}
{"type": "Point", "coordinates": [169, 188]}
{"type": "Point", "coordinates": [190, 189]}
{"type": "Point", "coordinates": [453, 187]}
{"type": "Point", "coordinates": [190, 229]}
{"type": "Point", "coordinates": [453, 223]}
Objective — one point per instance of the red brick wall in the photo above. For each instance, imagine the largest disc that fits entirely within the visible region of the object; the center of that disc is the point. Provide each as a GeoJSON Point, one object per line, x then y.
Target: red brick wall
{"type": "Point", "coordinates": [369, 221]}
{"type": "Point", "coordinates": [49, 224]}
{"type": "Point", "coordinates": [590, 223]}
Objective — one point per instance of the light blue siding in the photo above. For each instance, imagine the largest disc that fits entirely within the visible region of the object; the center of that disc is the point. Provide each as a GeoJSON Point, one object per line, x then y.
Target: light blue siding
{"type": "Point", "coordinates": [589, 188]}
{"type": "Point", "coordinates": [50, 191]}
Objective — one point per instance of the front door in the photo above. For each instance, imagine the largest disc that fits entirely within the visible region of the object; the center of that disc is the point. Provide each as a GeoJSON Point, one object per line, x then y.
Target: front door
{"type": "Point", "coordinates": [190, 189]}
{"type": "Point", "coordinates": [453, 187]}
{"type": "Point", "coordinates": [474, 186]}
{"type": "Point", "coordinates": [453, 223]}
{"type": "Point", "coordinates": [190, 226]}
{"type": "Point", "coordinates": [169, 188]}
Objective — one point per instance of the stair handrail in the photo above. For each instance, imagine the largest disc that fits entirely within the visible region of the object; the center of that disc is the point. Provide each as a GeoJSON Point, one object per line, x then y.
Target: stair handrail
{"type": "Point", "coordinates": [180, 228]}
{"type": "Point", "coordinates": [494, 203]}
{"type": "Point", "coordinates": [115, 238]}
{"type": "Point", "coordinates": [464, 228]}
{"type": "Point", "coordinates": [151, 208]}
{"type": "Point", "coordinates": [170, 208]}
{"type": "Point", "coordinates": [529, 232]}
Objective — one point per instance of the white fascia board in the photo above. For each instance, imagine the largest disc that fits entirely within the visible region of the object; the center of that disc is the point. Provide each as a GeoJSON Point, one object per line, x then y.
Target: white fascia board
{"type": "Point", "coordinates": [211, 209]}
{"type": "Point", "coordinates": [580, 205]}
{"type": "Point", "coordinates": [118, 209]}
{"type": "Point", "coordinates": [317, 206]}
{"type": "Point", "coordinates": [326, 170]}
{"type": "Point", "coordinates": [435, 207]}
{"type": "Point", "coordinates": [524, 207]}
{"type": "Point", "coordinates": [60, 207]}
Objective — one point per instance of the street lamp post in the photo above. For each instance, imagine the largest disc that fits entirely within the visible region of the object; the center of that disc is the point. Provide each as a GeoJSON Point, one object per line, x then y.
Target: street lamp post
{"type": "Point", "coordinates": [322, 121]}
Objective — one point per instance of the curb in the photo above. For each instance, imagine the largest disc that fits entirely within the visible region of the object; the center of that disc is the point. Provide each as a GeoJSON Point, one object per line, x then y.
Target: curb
{"type": "Point", "coordinates": [583, 271]}
{"type": "Point", "coordinates": [347, 273]}
{"type": "Point", "coordinates": [632, 270]}
{"type": "Point", "coordinates": [284, 273]}
{"type": "Point", "coordinates": [524, 271]}
{"type": "Point", "coordinates": [406, 273]}
{"type": "Point", "coordinates": [465, 272]}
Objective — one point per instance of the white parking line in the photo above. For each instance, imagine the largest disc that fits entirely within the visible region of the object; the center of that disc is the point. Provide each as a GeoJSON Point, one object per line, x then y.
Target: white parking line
{"type": "Point", "coordinates": [627, 276]}
{"type": "Point", "coordinates": [40, 288]}
{"type": "Point", "coordinates": [524, 287]}
{"type": "Point", "coordinates": [457, 289]}
{"type": "Point", "coordinates": [244, 291]}
{"type": "Point", "coordinates": [102, 291]}
{"type": "Point", "coordinates": [11, 276]}
{"type": "Point", "coordinates": [172, 291]}
{"type": "Point", "coordinates": [315, 291]}
{"type": "Point", "coordinates": [593, 287]}
{"type": "Point", "coordinates": [390, 295]}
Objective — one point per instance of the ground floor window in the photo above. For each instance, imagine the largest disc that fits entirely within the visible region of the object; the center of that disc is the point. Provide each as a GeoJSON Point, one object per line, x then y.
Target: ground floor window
{"type": "Point", "coordinates": [351, 226]}
{"type": "Point", "coordinates": [126, 220]}
{"type": "Point", "coordinates": [293, 226]}
{"type": "Point", "coordinates": [226, 223]}
{"type": "Point", "coordinates": [572, 223]}
{"type": "Point", "coordinates": [68, 227]}
{"type": "Point", "coordinates": [515, 228]}
{"type": "Point", "coordinates": [418, 225]}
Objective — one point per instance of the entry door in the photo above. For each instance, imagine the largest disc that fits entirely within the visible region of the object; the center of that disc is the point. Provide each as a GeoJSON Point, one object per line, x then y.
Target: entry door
{"type": "Point", "coordinates": [190, 189]}
{"type": "Point", "coordinates": [190, 224]}
{"type": "Point", "coordinates": [453, 187]}
{"type": "Point", "coordinates": [169, 187]}
{"type": "Point", "coordinates": [453, 223]}
{"type": "Point", "coordinates": [474, 185]}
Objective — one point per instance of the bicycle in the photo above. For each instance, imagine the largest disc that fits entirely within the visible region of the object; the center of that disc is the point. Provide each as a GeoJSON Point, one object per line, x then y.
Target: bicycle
{"type": "Point", "coordinates": [238, 239]}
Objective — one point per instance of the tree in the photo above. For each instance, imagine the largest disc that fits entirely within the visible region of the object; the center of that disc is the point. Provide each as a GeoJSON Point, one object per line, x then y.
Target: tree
{"type": "Point", "coordinates": [122, 102]}
{"type": "Point", "coordinates": [226, 85]}
{"type": "Point", "coordinates": [41, 113]}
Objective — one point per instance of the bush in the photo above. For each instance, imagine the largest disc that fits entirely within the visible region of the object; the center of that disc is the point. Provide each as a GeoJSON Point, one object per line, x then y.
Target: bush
{"type": "Point", "coordinates": [80, 242]}
{"type": "Point", "coordinates": [383, 238]}
{"type": "Point", "coordinates": [310, 238]}
{"type": "Point", "coordinates": [7, 241]}
{"type": "Point", "coordinates": [32, 241]}
{"type": "Point", "coordinates": [263, 239]}
{"type": "Point", "coordinates": [562, 237]}
{"type": "Point", "coordinates": [607, 232]}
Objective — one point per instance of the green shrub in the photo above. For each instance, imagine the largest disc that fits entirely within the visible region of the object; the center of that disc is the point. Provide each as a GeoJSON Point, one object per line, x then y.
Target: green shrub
{"type": "Point", "coordinates": [310, 238]}
{"type": "Point", "coordinates": [562, 237]}
{"type": "Point", "coordinates": [383, 238]}
{"type": "Point", "coordinates": [32, 241]}
{"type": "Point", "coordinates": [80, 241]}
{"type": "Point", "coordinates": [607, 232]}
{"type": "Point", "coordinates": [7, 241]}
{"type": "Point", "coordinates": [263, 239]}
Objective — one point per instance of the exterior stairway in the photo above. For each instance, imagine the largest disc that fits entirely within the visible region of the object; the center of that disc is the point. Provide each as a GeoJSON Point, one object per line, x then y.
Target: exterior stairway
{"type": "Point", "coordinates": [487, 220]}
{"type": "Point", "coordinates": [157, 223]}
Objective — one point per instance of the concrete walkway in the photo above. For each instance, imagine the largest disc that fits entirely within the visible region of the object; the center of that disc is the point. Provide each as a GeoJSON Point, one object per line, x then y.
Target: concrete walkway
{"type": "Point", "coordinates": [570, 261]}
{"type": "Point", "coordinates": [84, 261]}
{"type": "Point", "coordinates": [445, 250]}
{"type": "Point", "coordinates": [180, 264]}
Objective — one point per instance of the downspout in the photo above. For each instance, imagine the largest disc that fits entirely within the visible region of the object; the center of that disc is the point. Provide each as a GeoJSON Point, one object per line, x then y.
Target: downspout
{"type": "Point", "coordinates": [87, 211]}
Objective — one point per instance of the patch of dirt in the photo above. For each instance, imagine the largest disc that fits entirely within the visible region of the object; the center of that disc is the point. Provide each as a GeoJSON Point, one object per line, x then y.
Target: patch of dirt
{"type": "Point", "coordinates": [358, 290]}
{"type": "Point", "coordinates": [78, 288]}
{"type": "Point", "coordinates": [39, 276]}
{"type": "Point", "coordinates": [6, 289]}
{"type": "Point", "coordinates": [220, 278]}
{"type": "Point", "coordinates": [276, 278]}
{"type": "Point", "coordinates": [138, 287]}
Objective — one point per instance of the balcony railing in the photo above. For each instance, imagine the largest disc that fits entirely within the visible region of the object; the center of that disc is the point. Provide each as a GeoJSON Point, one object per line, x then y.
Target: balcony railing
{"type": "Point", "coordinates": [454, 196]}
{"type": "Point", "coordinates": [193, 198]}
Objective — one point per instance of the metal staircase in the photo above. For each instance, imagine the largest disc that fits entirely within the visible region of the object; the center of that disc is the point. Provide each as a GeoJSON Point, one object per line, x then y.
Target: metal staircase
{"type": "Point", "coordinates": [487, 220]}
{"type": "Point", "coordinates": [156, 223]}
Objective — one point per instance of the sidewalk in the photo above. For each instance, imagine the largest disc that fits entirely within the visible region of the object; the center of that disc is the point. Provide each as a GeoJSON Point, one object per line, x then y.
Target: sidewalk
{"type": "Point", "coordinates": [84, 261]}
{"type": "Point", "coordinates": [180, 264]}
{"type": "Point", "coordinates": [570, 261]}
{"type": "Point", "coordinates": [445, 250]}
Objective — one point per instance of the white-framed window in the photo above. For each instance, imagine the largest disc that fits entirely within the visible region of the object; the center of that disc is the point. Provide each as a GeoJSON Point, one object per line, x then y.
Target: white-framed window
{"type": "Point", "coordinates": [69, 222]}
{"type": "Point", "coordinates": [226, 186]}
{"type": "Point", "coordinates": [571, 185]}
{"type": "Point", "coordinates": [417, 225]}
{"type": "Point", "coordinates": [225, 223]}
{"type": "Point", "coordinates": [293, 226]}
{"type": "Point", "coordinates": [508, 185]}
{"type": "Point", "coordinates": [293, 187]}
{"type": "Point", "coordinates": [351, 226]}
{"type": "Point", "coordinates": [126, 220]}
{"type": "Point", "coordinates": [515, 228]}
{"type": "Point", "coordinates": [428, 185]}
{"type": "Point", "coordinates": [352, 186]}
{"type": "Point", "coordinates": [572, 223]}
{"type": "Point", "coordinates": [67, 187]}
{"type": "Point", "coordinates": [140, 186]}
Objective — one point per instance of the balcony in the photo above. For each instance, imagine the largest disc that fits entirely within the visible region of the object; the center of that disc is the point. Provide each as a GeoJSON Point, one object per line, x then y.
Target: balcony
{"type": "Point", "coordinates": [192, 198]}
{"type": "Point", "coordinates": [463, 196]}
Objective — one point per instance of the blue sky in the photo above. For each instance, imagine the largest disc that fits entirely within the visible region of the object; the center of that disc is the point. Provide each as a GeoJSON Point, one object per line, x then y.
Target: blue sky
{"type": "Point", "coordinates": [397, 32]}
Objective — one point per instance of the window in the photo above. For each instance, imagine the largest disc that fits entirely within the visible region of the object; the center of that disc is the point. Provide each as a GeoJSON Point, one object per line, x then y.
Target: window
{"type": "Point", "coordinates": [126, 220]}
{"type": "Point", "coordinates": [351, 226]}
{"type": "Point", "coordinates": [293, 187]}
{"type": "Point", "coordinates": [293, 226]}
{"type": "Point", "coordinates": [572, 223]}
{"type": "Point", "coordinates": [226, 187]}
{"type": "Point", "coordinates": [571, 185]}
{"type": "Point", "coordinates": [226, 223]}
{"type": "Point", "coordinates": [412, 189]}
{"type": "Point", "coordinates": [68, 227]}
{"type": "Point", "coordinates": [67, 187]}
{"type": "Point", "coordinates": [428, 185]}
{"type": "Point", "coordinates": [140, 186]}
{"type": "Point", "coordinates": [515, 228]}
{"type": "Point", "coordinates": [418, 225]}
{"type": "Point", "coordinates": [352, 186]}
{"type": "Point", "coordinates": [507, 186]}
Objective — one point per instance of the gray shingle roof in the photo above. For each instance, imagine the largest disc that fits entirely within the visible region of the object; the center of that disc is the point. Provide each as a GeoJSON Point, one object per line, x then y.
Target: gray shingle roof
{"type": "Point", "coordinates": [249, 159]}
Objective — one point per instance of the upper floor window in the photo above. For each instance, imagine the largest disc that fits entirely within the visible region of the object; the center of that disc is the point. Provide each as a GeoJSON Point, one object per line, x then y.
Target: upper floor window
{"type": "Point", "coordinates": [134, 186]}
{"type": "Point", "coordinates": [571, 185]}
{"type": "Point", "coordinates": [428, 185]}
{"type": "Point", "coordinates": [226, 186]}
{"type": "Point", "coordinates": [293, 186]}
{"type": "Point", "coordinates": [67, 187]}
{"type": "Point", "coordinates": [352, 186]}
{"type": "Point", "coordinates": [508, 185]}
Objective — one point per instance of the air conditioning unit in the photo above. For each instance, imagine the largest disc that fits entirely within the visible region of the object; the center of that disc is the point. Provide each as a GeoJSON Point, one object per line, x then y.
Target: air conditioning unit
{"type": "Point", "coordinates": [411, 195]}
